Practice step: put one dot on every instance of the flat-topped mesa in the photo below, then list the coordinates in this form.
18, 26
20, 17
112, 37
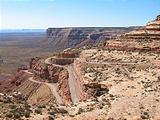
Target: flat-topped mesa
150, 31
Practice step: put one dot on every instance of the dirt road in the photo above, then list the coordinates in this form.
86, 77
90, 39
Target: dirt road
71, 82
52, 87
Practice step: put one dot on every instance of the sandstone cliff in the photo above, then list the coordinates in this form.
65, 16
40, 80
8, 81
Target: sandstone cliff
142, 40
150, 31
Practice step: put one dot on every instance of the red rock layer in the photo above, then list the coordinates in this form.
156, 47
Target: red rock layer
67, 55
133, 49
12, 82
150, 31
63, 86
44, 71
84, 93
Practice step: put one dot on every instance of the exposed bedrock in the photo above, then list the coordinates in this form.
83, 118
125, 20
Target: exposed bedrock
144, 40
13, 81
150, 31
68, 53
63, 86
134, 49
61, 61
84, 93
44, 71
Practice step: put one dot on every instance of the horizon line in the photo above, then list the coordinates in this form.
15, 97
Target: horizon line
70, 27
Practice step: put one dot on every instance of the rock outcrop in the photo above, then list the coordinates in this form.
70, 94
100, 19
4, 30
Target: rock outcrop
43, 71
33, 93
63, 86
144, 40
84, 93
150, 31
62, 61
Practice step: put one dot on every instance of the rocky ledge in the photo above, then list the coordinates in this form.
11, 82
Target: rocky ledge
144, 40
150, 31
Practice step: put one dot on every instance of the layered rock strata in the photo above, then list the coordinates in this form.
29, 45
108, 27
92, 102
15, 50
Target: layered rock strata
59, 39
63, 87
150, 31
145, 40
84, 93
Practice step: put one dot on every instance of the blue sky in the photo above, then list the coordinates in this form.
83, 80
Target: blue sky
19, 14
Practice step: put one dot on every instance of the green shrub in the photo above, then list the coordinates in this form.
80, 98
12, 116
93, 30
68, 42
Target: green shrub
50, 118
110, 95
63, 111
27, 114
144, 117
43, 106
104, 100
51, 113
80, 110
12, 106
17, 116
38, 111
9, 115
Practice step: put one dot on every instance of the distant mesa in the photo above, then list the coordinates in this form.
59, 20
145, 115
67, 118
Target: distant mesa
150, 31
76, 37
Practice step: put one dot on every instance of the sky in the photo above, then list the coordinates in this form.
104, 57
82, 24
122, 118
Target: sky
42, 14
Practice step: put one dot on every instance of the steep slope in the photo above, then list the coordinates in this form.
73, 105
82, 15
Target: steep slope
35, 93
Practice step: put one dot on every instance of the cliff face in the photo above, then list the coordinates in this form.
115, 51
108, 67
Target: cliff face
150, 31
43, 71
61, 38
63, 86
142, 40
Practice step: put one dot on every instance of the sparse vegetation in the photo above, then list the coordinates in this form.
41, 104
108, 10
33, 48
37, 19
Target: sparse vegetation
38, 111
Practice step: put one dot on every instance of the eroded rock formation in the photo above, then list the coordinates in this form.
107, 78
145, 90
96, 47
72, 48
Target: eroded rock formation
150, 31
144, 40
61, 38
63, 86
